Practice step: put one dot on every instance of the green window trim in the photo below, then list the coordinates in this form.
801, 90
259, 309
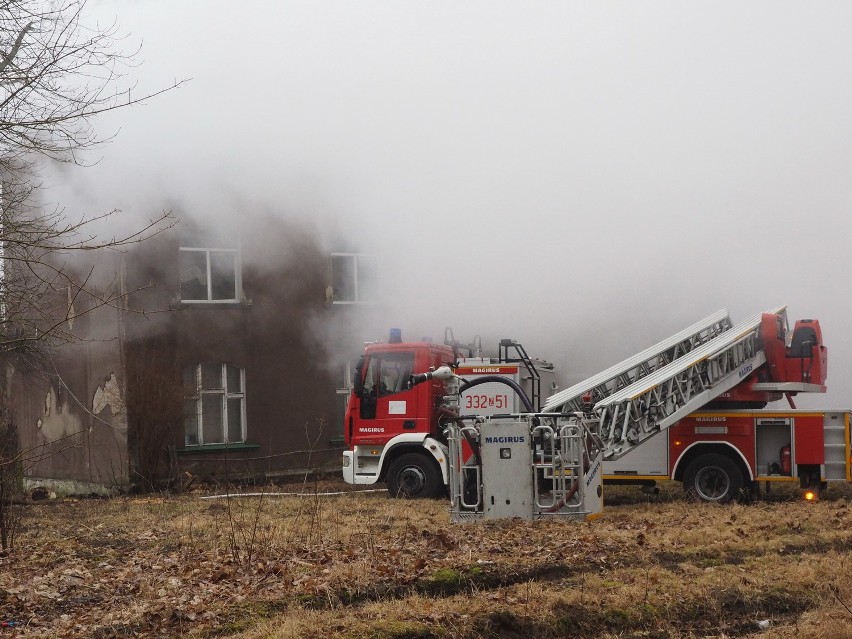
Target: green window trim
214, 448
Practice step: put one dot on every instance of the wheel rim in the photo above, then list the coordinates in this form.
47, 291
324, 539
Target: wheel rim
412, 480
712, 483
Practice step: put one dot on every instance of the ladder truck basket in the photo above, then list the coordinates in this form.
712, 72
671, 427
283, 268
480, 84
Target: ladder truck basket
530, 466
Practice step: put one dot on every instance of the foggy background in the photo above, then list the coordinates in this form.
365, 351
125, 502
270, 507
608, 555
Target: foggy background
585, 178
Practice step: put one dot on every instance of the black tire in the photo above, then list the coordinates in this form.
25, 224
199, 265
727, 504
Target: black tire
713, 478
414, 476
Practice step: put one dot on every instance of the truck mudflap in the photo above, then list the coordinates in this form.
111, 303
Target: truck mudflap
441, 453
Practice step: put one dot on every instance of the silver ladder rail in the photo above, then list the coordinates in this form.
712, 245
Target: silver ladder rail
641, 365
657, 401
462, 473
562, 465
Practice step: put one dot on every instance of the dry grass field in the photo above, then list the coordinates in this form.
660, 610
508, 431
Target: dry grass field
361, 566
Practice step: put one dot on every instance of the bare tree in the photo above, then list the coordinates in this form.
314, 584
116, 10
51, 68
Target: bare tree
43, 287
9, 476
57, 73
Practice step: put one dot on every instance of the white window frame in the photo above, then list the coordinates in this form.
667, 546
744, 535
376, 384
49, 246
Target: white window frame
198, 394
238, 280
356, 284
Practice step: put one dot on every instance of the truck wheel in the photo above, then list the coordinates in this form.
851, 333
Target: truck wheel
713, 478
414, 476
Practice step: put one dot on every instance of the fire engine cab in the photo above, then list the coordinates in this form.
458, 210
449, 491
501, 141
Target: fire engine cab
394, 430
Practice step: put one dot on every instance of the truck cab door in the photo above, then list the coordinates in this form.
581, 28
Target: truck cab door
388, 404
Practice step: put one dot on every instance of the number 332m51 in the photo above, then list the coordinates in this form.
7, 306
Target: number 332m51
486, 401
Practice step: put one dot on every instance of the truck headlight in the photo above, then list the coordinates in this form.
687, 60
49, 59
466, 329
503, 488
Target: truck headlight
345, 461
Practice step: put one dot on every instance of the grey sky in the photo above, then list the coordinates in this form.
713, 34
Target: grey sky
584, 177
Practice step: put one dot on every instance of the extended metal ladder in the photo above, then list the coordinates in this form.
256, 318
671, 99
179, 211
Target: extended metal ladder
671, 392
641, 365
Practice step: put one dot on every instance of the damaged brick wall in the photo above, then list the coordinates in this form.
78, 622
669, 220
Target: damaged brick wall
110, 408
271, 334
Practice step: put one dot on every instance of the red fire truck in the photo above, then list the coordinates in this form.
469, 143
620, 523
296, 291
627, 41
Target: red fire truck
645, 409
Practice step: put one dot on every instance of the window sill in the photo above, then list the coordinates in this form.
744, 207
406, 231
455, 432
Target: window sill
214, 448
181, 304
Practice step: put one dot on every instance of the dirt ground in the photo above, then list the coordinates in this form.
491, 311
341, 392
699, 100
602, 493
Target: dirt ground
297, 562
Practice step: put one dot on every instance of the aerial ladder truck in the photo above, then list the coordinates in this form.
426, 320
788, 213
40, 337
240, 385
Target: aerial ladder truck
732, 444
426, 441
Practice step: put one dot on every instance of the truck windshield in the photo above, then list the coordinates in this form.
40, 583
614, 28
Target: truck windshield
388, 373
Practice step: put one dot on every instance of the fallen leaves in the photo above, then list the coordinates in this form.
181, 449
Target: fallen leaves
133, 567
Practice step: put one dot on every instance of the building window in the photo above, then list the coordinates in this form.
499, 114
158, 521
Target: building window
215, 405
352, 276
209, 275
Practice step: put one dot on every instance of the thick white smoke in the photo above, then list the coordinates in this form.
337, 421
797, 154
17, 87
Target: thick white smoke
585, 178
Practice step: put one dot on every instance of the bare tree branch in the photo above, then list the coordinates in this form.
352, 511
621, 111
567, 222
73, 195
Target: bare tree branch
7, 58
57, 73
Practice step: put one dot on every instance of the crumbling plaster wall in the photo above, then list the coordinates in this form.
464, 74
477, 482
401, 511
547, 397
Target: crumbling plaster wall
69, 409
